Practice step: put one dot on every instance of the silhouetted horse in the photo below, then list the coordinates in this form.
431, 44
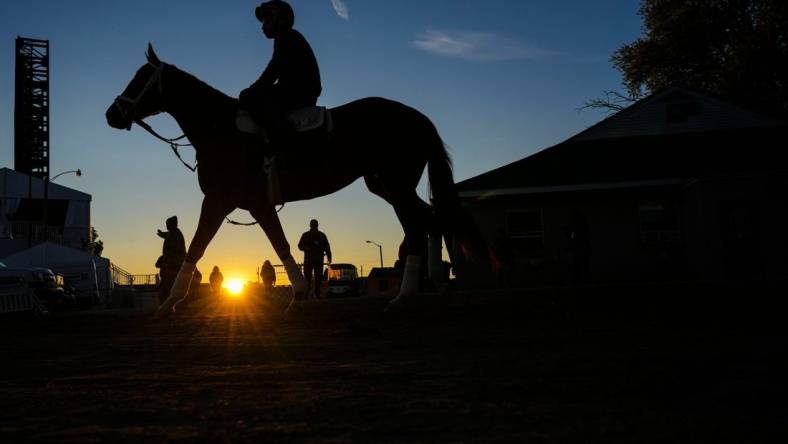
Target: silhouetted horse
386, 142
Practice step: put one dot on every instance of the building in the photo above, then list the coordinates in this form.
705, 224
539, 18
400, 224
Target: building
679, 186
33, 210
383, 282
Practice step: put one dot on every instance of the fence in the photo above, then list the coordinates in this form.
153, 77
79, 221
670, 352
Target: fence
35, 231
18, 298
145, 280
123, 278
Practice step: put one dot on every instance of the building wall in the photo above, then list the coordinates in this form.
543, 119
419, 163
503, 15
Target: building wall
618, 251
729, 228
739, 230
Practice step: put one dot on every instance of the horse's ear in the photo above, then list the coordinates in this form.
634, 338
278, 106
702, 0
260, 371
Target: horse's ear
152, 57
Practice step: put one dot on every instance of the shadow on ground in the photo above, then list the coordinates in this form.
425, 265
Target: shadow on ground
621, 364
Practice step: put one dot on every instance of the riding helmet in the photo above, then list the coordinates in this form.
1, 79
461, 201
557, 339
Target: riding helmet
283, 9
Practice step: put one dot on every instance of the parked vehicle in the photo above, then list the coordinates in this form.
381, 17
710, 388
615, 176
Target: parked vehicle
342, 281
46, 285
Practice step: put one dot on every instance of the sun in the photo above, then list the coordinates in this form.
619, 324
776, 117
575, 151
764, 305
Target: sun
234, 286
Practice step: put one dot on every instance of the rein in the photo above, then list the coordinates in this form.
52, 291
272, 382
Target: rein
155, 79
172, 142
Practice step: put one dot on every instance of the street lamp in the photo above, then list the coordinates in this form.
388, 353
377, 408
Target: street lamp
380, 250
78, 173
47, 179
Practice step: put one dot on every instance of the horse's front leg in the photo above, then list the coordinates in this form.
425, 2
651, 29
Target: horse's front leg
212, 214
266, 216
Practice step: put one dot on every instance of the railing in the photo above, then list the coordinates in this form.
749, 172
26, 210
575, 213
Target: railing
121, 276
35, 231
145, 280
124, 278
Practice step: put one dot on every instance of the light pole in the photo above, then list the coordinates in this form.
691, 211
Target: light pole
380, 250
47, 179
77, 172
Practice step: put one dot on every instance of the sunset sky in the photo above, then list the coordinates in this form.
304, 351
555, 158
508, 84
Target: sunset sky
501, 79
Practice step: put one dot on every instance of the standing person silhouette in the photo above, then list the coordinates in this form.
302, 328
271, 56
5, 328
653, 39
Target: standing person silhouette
314, 244
173, 252
216, 279
268, 274
292, 78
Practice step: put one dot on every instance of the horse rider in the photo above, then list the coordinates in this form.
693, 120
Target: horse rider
292, 78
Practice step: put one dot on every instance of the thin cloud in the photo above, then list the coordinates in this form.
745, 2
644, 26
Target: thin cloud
477, 46
341, 8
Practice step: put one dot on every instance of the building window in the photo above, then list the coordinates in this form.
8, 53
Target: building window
526, 227
659, 223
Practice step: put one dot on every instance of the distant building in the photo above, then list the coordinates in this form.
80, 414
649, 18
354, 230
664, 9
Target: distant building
27, 218
679, 186
383, 282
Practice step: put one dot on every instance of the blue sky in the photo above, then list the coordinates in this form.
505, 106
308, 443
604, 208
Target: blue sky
501, 79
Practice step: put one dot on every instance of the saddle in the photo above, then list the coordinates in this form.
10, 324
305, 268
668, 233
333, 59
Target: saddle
301, 121
313, 120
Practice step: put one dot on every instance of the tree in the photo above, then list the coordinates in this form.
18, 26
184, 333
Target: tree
737, 49
95, 246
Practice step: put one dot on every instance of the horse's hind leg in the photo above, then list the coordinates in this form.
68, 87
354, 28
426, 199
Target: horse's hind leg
415, 210
416, 219
212, 214
266, 216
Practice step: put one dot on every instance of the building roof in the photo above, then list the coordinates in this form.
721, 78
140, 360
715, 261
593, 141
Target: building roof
48, 254
693, 135
383, 273
676, 110
15, 184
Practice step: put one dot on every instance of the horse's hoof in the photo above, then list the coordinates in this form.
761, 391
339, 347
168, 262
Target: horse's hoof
161, 315
395, 305
294, 306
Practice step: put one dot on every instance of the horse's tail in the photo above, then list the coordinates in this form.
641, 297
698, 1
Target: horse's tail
465, 244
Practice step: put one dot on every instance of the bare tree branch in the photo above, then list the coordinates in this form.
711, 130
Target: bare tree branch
612, 102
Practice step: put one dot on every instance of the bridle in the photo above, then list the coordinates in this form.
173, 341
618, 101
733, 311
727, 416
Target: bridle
130, 112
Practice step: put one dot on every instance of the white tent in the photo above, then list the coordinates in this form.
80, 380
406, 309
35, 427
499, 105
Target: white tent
88, 274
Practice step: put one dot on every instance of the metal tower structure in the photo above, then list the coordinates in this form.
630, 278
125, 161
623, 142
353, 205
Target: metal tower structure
31, 107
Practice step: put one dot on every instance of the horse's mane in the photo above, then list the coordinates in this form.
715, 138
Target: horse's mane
193, 91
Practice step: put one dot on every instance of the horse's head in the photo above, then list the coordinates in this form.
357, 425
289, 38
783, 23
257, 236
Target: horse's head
142, 96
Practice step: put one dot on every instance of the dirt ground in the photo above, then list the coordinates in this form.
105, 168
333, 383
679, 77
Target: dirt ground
617, 364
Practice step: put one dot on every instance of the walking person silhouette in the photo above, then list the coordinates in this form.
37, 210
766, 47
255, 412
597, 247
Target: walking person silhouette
315, 245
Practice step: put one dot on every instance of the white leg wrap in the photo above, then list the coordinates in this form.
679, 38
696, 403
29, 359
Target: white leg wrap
410, 282
294, 274
435, 258
411, 276
180, 288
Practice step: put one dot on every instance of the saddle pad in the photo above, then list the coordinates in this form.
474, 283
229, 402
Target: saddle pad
307, 119
246, 124
301, 120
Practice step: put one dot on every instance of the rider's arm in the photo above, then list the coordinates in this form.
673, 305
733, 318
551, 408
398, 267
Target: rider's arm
273, 71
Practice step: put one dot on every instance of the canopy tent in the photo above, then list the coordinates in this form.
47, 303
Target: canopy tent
88, 274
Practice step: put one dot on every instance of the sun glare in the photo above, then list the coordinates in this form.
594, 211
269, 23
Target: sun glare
234, 286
